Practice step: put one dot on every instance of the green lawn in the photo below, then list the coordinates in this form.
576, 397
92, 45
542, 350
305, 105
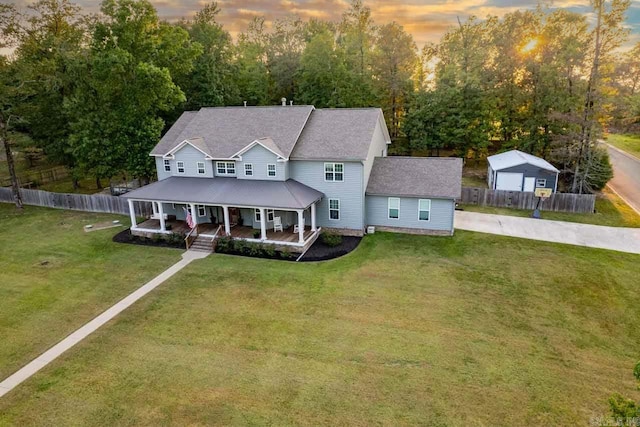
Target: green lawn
629, 143
469, 330
54, 277
611, 210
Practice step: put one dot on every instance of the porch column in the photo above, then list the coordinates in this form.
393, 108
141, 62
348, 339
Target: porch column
163, 226
313, 216
194, 217
263, 224
132, 214
300, 226
154, 206
227, 226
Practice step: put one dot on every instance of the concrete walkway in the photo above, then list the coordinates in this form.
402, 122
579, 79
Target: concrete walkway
593, 236
48, 356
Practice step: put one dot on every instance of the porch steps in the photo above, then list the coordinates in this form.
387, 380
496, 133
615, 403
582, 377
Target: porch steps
202, 244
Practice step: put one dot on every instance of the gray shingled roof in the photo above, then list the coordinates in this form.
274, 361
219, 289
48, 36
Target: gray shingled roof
337, 134
288, 194
227, 130
437, 177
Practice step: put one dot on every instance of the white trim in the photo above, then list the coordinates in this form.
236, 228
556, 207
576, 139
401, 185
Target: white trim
423, 210
330, 209
251, 145
171, 153
543, 185
204, 209
178, 167
204, 168
275, 170
226, 168
389, 207
248, 170
333, 171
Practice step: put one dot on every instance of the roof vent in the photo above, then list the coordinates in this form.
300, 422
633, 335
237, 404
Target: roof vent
290, 102
245, 103
284, 102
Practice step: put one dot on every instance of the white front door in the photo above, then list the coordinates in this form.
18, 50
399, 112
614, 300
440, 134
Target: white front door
509, 181
529, 184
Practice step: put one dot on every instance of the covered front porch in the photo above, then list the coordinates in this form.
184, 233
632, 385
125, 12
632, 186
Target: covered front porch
272, 212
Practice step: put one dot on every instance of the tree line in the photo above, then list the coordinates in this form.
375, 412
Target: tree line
95, 92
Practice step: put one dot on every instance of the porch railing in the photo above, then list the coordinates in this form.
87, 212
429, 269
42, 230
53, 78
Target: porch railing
190, 237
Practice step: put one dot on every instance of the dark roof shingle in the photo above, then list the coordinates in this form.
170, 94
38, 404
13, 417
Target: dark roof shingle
437, 177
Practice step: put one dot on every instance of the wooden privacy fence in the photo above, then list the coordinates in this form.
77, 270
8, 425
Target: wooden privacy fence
77, 202
558, 202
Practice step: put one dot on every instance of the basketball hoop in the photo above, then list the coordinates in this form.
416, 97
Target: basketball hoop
542, 194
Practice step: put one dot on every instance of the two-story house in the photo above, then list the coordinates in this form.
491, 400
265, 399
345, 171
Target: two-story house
280, 174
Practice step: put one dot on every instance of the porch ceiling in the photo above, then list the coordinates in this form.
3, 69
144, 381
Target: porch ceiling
288, 194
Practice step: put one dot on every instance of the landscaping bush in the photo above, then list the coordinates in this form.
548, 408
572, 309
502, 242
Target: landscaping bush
256, 234
330, 238
175, 238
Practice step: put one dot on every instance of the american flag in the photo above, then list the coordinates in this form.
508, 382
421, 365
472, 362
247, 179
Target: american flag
190, 222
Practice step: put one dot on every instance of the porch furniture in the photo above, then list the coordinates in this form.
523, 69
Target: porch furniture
277, 224
296, 228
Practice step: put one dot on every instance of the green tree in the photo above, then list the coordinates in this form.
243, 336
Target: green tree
125, 84
284, 47
211, 82
322, 72
252, 77
394, 61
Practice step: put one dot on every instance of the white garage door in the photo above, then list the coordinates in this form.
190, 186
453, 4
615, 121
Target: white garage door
509, 181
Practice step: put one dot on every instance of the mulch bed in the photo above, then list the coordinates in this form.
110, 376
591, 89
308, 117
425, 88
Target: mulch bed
125, 236
319, 251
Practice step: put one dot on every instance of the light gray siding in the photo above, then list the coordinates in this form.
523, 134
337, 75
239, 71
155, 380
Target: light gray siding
260, 157
162, 174
530, 171
350, 192
378, 148
190, 156
440, 217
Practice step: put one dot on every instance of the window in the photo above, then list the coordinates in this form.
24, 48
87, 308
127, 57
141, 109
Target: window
424, 209
167, 165
180, 167
334, 172
394, 207
201, 211
334, 209
200, 168
541, 183
269, 215
248, 169
226, 168
271, 170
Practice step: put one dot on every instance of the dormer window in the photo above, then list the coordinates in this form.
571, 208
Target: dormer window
201, 168
271, 170
167, 165
248, 169
180, 167
226, 168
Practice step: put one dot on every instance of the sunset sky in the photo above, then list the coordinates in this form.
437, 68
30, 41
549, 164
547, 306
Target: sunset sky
426, 20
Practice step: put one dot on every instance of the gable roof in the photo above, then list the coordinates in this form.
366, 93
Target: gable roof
437, 177
264, 142
197, 143
289, 194
512, 158
338, 134
227, 130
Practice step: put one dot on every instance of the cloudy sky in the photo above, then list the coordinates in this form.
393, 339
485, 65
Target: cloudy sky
427, 20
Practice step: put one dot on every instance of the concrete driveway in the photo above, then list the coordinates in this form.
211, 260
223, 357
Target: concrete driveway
626, 176
593, 236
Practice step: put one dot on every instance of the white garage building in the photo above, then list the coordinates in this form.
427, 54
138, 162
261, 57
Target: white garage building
517, 171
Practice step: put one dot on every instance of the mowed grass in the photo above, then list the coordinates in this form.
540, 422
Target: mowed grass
611, 211
468, 330
629, 142
54, 277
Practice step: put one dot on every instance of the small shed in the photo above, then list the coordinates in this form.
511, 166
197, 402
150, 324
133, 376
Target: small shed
517, 171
